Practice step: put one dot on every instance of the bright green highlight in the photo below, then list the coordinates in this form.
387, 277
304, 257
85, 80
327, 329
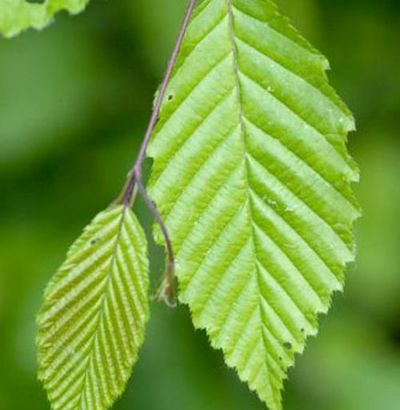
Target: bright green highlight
19, 15
93, 319
253, 179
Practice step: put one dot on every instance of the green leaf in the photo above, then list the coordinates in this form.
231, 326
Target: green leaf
19, 15
252, 177
93, 318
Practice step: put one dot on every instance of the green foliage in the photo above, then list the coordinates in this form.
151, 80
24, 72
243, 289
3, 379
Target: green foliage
19, 15
252, 177
92, 322
72, 128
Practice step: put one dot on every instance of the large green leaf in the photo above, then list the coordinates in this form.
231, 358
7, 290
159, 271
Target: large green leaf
19, 15
252, 177
92, 321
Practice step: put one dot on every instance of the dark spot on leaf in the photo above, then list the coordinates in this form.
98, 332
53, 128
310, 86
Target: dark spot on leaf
302, 330
170, 97
287, 345
35, 1
280, 358
94, 241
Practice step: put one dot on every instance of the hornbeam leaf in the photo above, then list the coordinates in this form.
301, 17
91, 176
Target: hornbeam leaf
19, 15
92, 322
252, 177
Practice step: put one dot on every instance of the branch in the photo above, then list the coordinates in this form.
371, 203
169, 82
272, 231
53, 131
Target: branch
134, 183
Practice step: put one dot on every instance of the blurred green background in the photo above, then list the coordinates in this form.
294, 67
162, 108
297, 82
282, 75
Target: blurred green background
74, 101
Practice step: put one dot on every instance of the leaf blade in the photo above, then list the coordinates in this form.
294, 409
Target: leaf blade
19, 15
252, 177
92, 321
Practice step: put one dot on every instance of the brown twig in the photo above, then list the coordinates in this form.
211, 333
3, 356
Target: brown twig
135, 184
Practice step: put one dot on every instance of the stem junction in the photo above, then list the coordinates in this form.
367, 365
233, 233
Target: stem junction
134, 184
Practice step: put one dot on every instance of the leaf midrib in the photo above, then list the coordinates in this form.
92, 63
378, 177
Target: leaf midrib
102, 305
235, 61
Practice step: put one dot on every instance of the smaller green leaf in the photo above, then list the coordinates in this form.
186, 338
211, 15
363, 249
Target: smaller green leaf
92, 322
19, 15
